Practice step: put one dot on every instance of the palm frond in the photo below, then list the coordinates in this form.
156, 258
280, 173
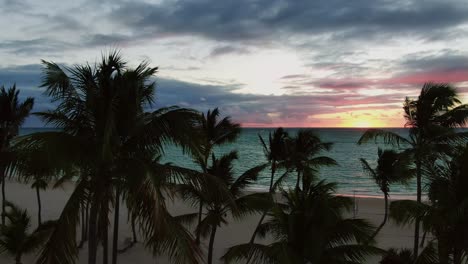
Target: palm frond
387, 137
406, 211
247, 178
274, 253
353, 253
61, 244
250, 204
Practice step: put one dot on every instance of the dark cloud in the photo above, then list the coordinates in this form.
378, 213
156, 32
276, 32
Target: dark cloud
264, 19
105, 39
448, 61
34, 46
228, 49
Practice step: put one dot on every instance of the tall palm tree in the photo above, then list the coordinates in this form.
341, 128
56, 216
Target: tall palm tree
238, 204
275, 154
94, 137
392, 167
275, 151
430, 119
446, 214
304, 155
12, 115
213, 132
15, 238
310, 228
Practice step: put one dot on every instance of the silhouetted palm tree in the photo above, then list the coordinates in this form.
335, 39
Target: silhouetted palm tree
238, 204
304, 155
33, 166
446, 214
12, 115
275, 153
212, 132
310, 228
15, 238
392, 167
97, 118
430, 119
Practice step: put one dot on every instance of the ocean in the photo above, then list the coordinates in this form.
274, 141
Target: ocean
348, 174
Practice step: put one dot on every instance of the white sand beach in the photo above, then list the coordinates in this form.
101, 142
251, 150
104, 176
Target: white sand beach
234, 233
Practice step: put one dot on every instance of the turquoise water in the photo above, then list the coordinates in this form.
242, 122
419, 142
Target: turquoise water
345, 151
348, 175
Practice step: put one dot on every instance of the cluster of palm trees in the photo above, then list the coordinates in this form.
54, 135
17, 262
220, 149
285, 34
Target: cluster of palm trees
110, 144
435, 153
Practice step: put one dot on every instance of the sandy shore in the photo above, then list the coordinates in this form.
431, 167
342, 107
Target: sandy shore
235, 233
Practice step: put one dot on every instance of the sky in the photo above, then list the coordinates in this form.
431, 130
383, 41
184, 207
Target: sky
266, 63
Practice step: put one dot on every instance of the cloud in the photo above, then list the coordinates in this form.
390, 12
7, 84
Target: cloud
447, 61
228, 49
246, 20
34, 46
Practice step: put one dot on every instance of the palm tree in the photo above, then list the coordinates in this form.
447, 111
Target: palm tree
275, 154
97, 109
310, 228
430, 119
392, 167
31, 165
212, 132
12, 115
15, 238
304, 156
39, 184
275, 151
446, 214
218, 207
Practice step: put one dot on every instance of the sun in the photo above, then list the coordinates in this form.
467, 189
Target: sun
362, 123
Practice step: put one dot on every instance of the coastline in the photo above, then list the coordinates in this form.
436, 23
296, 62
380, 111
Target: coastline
370, 208
394, 197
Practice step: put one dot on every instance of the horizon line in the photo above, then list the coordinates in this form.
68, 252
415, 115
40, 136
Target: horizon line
261, 127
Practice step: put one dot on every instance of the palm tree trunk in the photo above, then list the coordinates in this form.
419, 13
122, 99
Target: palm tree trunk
200, 212
105, 230
39, 207
115, 237
134, 230
262, 218
200, 208
86, 221
93, 236
386, 210
418, 198
3, 195
210, 245
298, 181
105, 245
272, 176
384, 221
83, 230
